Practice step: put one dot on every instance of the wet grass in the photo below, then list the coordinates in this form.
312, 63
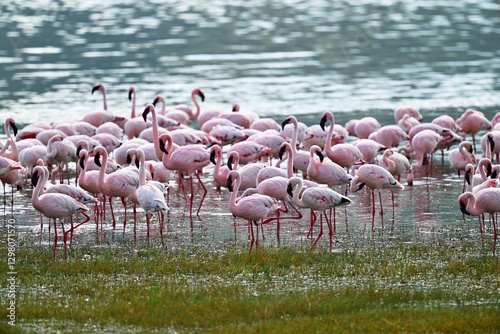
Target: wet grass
429, 285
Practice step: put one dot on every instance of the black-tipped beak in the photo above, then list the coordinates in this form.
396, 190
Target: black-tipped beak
321, 156
136, 162
494, 174
281, 152
14, 128
34, 178
97, 159
201, 95
129, 159
229, 184
156, 100
212, 157
130, 92
463, 208
78, 149
361, 185
285, 122
492, 143
96, 88
230, 163
322, 122
289, 190
145, 114
467, 177
162, 147
80, 161
489, 169
345, 200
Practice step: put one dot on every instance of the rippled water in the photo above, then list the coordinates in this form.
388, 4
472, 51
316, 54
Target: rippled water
276, 58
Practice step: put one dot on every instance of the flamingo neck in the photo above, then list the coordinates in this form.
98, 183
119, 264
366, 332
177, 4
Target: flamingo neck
234, 194
51, 150
391, 165
217, 163
328, 140
195, 115
294, 135
142, 170
102, 170
82, 170
296, 193
132, 115
38, 189
156, 135
471, 201
103, 90
289, 162
166, 156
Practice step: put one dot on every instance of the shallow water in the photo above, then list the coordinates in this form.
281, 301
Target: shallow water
280, 58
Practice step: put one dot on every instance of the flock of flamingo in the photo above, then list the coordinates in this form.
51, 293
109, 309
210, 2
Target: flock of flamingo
161, 145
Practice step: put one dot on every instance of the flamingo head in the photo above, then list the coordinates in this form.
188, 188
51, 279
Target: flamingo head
146, 111
13, 126
230, 163
198, 92
236, 107
285, 122
98, 87
463, 207
281, 152
322, 122
81, 162
34, 178
212, 157
229, 183
491, 141
156, 100
131, 91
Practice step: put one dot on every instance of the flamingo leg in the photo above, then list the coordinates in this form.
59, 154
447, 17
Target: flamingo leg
55, 239
328, 223
381, 208
147, 227
495, 234
41, 226
74, 227
320, 231
205, 191
112, 213
253, 239
192, 198
161, 217
125, 219
64, 239
481, 229
373, 210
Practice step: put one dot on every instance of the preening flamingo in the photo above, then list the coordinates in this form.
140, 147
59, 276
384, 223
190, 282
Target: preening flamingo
375, 178
253, 208
461, 156
186, 159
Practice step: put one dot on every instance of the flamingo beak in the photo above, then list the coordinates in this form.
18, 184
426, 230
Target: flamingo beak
467, 177
156, 100
285, 122
80, 161
98, 87
322, 122
14, 128
321, 156
281, 152
97, 159
34, 178
463, 208
162, 147
229, 184
212, 157
230, 163
137, 163
130, 92
129, 159
201, 95
289, 190
145, 113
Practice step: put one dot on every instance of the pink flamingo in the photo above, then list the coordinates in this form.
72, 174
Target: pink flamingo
220, 172
11, 172
345, 155
226, 134
99, 117
484, 201
471, 122
110, 128
248, 151
424, 143
375, 178
269, 139
12, 154
300, 158
150, 194
407, 122
264, 124
324, 171
409, 110
60, 152
391, 135
29, 156
369, 148
448, 122
54, 206
365, 126
253, 208
319, 198
396, 163
461, 156
121, 183
186, 159
490, 144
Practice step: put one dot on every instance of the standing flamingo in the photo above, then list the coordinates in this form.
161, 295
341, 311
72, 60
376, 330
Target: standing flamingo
121, 183
54, 206
473, 121
319, 198
345, 155
300, 158
186, 159
376, 178
253, 208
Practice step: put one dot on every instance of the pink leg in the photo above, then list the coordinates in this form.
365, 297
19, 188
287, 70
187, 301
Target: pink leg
161, 217
204, 193
320, 231
64, 239
373, 210
55, 239
147, 227
192, 198
495, 234
125, 219
381, 208
481, 229
253, 239
330, 230
41, 226
83, 222
112, 213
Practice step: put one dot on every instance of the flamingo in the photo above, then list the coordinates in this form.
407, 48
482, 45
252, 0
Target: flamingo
149, 195
365, 126
409, 110
253, 208
111, 129
135, 125
369, 148
471, 122
11, 172
390, 135
375, 178
396, 163
99, 117
121, 183
461, 156
324, 171
54, 206
345, 155
187, 159
248, 151
407, 122
220, 172
264, 124
60, 152
319, 198
484, 201
12, 154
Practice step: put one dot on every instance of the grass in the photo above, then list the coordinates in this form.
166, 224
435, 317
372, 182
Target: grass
429, 285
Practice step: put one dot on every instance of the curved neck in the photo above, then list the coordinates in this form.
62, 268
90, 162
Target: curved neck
218, 162
82, 170
4, 149
471, 208
296, 193
391, 166
164, 104
39, 186
328, 140
102, 170
6, 127
481, 166
166, 156
51, 150
195, 115
234, 194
